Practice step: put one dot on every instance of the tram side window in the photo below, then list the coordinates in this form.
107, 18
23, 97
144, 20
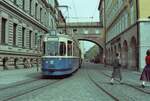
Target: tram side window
62, 49
69, 48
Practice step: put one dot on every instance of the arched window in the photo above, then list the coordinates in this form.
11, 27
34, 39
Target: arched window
36, 7
30, 7
40, 14
3, 30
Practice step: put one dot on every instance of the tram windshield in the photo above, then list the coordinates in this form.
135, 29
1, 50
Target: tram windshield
51, 48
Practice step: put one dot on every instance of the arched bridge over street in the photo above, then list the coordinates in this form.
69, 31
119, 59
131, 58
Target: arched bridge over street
86, 31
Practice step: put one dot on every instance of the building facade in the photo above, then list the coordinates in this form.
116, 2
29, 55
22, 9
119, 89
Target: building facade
23, 24
127, 28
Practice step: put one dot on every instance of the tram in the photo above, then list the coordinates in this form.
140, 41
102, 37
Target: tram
62, 55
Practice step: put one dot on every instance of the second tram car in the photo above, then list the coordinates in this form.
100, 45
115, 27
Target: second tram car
62, 55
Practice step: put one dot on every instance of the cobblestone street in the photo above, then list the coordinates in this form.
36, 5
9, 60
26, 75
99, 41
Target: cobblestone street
64, 50
77, 87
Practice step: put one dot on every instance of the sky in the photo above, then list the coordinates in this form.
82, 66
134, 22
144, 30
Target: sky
87, 45
80, 10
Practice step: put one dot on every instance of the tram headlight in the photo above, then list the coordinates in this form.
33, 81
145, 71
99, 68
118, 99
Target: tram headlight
46, 62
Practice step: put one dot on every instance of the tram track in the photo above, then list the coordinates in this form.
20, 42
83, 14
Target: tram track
7, 95
129, 85
105, 91
101, 88
19, 83
117, 92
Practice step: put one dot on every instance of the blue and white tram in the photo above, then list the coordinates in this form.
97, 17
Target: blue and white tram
61, 55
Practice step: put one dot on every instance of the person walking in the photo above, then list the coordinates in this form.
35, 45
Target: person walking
116, 69
145, 76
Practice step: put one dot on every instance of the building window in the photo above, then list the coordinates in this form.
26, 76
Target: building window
3, 29
23, 4
74, 30
23, 33
15, 2
30, 39
14, 34
36, 39
30, 7
86, 31
36, 7
97, 32
40, 14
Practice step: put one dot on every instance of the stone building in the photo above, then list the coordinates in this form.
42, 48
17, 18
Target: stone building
127, 28
22, 26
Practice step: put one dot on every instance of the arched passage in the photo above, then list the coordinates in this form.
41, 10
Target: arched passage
101, 52
101, 45
115, 50
5, 62
133, 45
109, 56
125, 54
16, 61
112, 52
120, 52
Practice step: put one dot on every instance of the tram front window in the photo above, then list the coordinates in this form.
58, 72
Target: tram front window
51, 48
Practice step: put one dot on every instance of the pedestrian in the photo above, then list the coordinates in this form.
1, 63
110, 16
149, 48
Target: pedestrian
145, 76
116, 69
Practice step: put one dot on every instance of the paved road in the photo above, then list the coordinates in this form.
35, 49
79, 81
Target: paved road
79, 86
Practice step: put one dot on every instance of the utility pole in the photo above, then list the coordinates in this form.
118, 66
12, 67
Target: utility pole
64, 6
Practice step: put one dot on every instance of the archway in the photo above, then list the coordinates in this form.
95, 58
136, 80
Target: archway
5, 63
120, 52
112, 52
16, 63
25, 63
133, 46
109, 56
125, 54
100, 56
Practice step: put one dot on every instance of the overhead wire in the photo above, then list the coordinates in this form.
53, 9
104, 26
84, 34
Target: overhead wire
94, 11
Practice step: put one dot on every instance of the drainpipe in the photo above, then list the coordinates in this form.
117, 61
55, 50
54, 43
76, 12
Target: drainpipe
138, 34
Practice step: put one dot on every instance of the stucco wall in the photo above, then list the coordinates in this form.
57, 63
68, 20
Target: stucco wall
144, 42
144, 8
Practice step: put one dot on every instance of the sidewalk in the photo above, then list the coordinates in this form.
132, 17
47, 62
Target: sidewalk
130, 78
16, 75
